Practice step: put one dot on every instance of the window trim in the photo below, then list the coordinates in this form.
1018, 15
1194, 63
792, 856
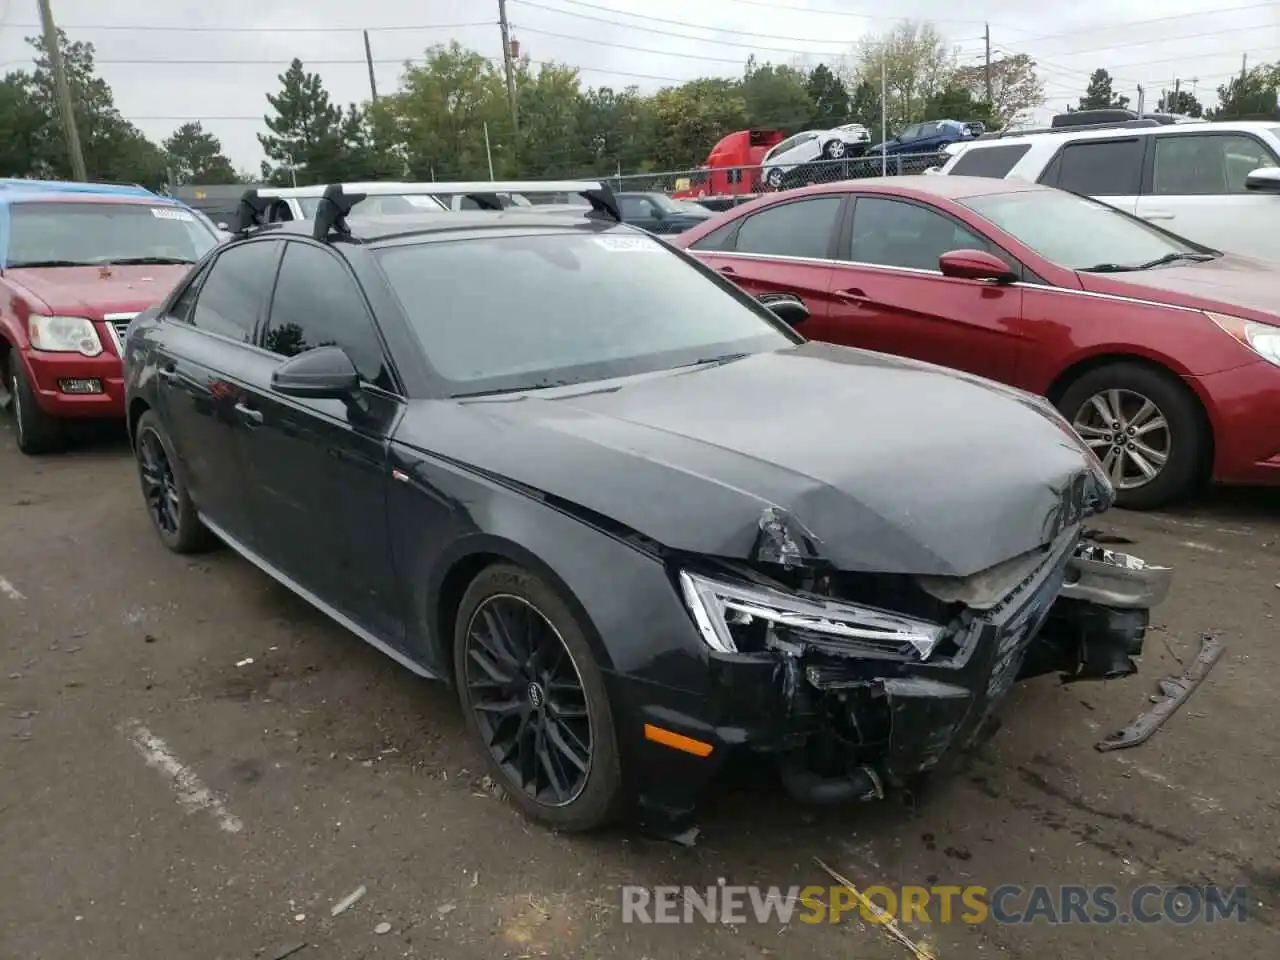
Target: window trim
846, 239
397, 380
1146, 187
1055, 162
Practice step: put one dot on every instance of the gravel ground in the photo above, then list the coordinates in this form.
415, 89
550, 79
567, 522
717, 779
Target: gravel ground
195, 764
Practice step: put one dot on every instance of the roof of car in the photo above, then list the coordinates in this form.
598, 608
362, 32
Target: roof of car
372, 229
61, 196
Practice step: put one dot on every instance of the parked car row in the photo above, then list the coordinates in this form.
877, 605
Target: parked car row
636, 520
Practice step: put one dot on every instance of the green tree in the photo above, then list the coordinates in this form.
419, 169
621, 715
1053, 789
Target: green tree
23, 124
1251, 97
1016, 88
829, 98
775, 97
957, 103
437, 119
917, 64
689, 119
1181, 101
1098, 95
551, 141
195, 156
311, 139
616, 129
864, 108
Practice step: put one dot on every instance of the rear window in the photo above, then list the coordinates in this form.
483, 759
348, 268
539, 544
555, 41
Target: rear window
69, 234
1099, 168
993, 162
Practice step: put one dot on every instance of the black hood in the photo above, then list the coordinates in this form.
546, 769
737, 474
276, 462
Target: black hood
890, 465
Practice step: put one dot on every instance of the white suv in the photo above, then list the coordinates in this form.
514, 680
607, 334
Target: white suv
1215, 183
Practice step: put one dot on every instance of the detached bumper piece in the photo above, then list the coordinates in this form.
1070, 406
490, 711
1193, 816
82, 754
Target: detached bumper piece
1100, 620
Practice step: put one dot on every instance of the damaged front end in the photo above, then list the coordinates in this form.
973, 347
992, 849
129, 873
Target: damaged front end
867, 681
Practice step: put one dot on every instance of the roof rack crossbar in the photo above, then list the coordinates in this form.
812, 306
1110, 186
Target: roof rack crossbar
1082, 128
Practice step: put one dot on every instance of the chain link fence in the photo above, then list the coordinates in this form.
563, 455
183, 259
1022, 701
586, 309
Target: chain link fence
722, 187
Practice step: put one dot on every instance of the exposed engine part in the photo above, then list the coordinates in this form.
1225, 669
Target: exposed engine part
1174, 692
1084, 641
1115, 579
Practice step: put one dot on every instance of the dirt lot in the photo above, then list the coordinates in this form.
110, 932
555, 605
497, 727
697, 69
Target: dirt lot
194, 764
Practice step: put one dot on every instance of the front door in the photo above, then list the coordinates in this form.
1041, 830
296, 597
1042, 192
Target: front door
889, 294
201, 381
318, 471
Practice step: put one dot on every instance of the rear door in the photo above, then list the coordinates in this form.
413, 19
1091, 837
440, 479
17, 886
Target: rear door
1109, 169
317, 470
787, 247
889, 295
202, 361
1193, 185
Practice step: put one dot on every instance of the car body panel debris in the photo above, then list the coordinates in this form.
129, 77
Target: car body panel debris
1174, 692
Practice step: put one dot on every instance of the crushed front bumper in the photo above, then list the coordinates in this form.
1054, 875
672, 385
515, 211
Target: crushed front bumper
844, 727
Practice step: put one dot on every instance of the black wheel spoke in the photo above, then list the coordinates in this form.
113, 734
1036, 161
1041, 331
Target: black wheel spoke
159, 484
528, 700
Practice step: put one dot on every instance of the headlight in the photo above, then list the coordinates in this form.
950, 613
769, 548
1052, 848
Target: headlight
738, 616
64, 335
1262, 338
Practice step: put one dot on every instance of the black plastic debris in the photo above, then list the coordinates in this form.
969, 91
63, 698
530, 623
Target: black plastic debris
1174, 692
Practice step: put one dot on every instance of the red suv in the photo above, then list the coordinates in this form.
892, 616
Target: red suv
1163, 354
75, 268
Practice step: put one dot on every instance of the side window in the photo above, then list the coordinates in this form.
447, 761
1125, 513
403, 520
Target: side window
636, 208
891, 233
1102, 168
910, 133
235, 291
928, 130
279, 212
317, 304
801, 228
994, 162
717, 239
187, 298
1188, 165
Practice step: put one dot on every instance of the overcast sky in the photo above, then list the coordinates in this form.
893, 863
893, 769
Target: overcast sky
613, 42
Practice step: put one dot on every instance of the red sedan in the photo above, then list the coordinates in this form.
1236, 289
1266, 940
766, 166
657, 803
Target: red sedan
1163, 354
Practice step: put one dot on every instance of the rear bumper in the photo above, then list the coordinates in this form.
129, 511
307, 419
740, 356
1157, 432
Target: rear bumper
50, 374
846, 728
1245, 409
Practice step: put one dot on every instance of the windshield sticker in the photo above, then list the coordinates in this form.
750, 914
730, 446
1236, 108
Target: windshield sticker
629, 244
171, 213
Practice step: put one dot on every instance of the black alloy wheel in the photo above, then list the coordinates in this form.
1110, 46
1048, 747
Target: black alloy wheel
536, 700
164, 490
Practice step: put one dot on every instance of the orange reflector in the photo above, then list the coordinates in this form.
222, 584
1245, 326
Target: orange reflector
677, 741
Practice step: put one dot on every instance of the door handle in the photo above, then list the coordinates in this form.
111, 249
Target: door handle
251, 416
1158, 215
727, 270
167, 374
852, 295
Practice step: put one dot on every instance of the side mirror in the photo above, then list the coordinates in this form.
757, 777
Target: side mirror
790, 310
975, 265
325, 373
1264, 178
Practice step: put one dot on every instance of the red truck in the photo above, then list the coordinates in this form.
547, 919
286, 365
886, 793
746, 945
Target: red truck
722, 178
75, 268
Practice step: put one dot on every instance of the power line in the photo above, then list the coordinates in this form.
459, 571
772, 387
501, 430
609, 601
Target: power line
1215, 12
839, 13
1151, 42
133, 28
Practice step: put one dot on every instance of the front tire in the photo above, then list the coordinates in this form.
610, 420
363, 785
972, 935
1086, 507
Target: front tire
37, 431
164, 488
535, 698
834, 150
1147, 429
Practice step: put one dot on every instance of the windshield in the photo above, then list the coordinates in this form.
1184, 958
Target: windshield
1076, 232
389, 205
76, 234
571, 308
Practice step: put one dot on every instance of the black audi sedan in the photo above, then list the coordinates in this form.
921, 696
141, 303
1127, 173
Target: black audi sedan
633, 517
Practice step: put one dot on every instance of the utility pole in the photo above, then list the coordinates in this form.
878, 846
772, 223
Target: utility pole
368, 59
986, 36
63, 91
1244, 67
508, 66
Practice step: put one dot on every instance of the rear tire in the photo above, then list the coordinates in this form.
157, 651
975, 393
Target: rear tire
489, 681
1187, 437
37, 431
164, 488
834, 150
